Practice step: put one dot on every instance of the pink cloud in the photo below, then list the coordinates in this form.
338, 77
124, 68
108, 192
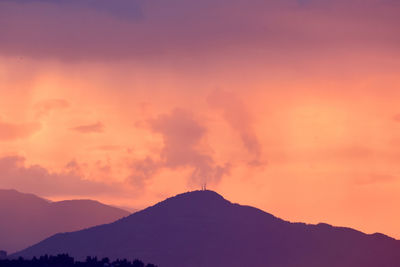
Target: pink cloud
142, 170
15, 174
90, 128
235, 113
182, 135
12, 131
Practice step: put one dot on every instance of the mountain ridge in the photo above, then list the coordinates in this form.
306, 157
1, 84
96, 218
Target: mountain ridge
201, 228
28, 219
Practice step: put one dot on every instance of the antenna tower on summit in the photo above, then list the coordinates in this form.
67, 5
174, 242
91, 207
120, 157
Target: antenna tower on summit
204, 187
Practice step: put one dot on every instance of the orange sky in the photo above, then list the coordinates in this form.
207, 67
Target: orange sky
289, 107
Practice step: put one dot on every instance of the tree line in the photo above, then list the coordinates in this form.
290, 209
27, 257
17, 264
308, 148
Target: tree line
64, 260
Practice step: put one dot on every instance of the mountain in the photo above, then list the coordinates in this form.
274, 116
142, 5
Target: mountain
201, 228
27, 219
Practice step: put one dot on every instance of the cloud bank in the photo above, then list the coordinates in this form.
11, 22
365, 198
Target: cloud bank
15, 174
138, 30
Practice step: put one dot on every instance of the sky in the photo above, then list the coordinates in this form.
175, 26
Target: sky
289, 106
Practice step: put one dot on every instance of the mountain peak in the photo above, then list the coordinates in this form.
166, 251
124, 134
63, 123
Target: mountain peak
200, 200
201, 195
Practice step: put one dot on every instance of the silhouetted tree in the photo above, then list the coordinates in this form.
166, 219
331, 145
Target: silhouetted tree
64, 260
137, 263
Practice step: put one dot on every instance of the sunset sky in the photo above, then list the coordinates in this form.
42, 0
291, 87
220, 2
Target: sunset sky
289, 106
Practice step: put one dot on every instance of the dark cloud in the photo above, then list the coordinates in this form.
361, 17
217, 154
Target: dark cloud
125, 9
182, 136
97, 127
67, 31
139, 29
235, 113
16, 175
11, 131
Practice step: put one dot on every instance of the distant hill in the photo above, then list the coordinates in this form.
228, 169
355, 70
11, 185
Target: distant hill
201, 228
26, 219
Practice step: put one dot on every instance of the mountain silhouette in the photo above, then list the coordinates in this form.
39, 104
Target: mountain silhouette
201, 228
27, 219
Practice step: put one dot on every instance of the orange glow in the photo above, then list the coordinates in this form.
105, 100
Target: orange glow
305, 125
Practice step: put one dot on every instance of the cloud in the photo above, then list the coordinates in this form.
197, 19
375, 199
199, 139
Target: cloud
68, 30
182, 137
397, 117
44, 107
125, 9
97, 127
235, 113
13, 131
36, 179
142, 170
137, 29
